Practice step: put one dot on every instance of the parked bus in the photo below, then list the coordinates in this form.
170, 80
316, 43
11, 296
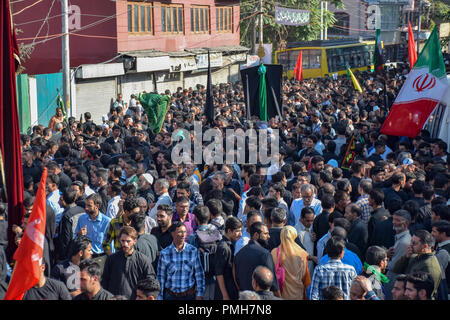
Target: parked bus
326, 57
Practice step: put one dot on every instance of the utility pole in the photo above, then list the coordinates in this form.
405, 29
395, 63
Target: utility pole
326, 29
66, 56
418, 28
321, 20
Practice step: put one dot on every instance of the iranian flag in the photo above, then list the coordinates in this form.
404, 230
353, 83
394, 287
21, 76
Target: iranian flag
422, 91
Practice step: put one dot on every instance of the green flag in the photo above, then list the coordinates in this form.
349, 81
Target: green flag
378, 54
262, 93
60, 104
155, 107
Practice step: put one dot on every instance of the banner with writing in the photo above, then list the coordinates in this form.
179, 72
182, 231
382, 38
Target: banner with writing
291, 17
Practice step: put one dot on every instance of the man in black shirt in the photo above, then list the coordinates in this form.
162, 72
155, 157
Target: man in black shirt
278, 217
68, 222
125, 268
225, 287
320, 225
47, 289
99, 180
90, 273
30, 168
146, 243
357, 169
164, 220
67, 270
379, 213
253, 255
64, 179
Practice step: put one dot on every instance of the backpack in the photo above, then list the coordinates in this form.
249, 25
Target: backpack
207, 246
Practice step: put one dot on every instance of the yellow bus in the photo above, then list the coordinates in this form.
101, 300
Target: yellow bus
326, 57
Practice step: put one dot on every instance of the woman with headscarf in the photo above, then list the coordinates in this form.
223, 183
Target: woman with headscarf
294, 260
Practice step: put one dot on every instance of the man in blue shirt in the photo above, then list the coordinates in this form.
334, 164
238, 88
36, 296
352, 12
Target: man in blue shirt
349, 257
93, 224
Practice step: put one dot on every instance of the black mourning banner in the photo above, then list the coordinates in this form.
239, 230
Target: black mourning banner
250, 76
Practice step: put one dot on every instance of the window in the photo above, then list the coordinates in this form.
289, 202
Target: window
355, 57
224, 19
172, 19
389, 16
200, 19
311, 59
341, 27
140, 17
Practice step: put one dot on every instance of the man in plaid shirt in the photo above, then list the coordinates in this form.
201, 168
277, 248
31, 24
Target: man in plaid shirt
364, 188
334, 272
130, 206
180, 272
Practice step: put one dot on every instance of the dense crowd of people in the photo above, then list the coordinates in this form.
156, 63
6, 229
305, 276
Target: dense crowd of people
124, 221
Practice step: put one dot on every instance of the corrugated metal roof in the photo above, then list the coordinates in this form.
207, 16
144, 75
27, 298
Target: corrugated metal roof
186, 52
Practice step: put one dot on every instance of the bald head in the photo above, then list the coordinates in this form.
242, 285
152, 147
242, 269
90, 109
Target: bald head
262, 279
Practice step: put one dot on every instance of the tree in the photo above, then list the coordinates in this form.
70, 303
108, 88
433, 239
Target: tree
278, 34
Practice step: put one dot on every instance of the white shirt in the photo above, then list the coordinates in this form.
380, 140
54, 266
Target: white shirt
305, 237
112, 208
88, 191
274, 168
163, 199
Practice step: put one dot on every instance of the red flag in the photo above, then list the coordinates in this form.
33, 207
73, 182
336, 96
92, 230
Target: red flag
31, 249
412, 52
298, 71
9, 123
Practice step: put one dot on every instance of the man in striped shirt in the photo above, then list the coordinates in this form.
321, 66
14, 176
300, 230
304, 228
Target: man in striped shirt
180, 272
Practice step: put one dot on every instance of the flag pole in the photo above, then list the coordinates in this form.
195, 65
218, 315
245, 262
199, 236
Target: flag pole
248, 97
276, 102
2, 165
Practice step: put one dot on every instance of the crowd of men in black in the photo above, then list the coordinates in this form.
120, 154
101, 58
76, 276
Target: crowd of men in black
121, 175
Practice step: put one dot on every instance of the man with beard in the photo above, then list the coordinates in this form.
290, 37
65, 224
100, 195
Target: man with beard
401, 220
164, 220
419, 286
130, 207
125, 268
420, 257
254, 254
93, 224
225, 288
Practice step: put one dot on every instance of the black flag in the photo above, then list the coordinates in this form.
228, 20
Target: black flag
209, 107
273, 87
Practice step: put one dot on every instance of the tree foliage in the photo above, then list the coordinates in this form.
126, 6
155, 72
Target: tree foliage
278, 34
